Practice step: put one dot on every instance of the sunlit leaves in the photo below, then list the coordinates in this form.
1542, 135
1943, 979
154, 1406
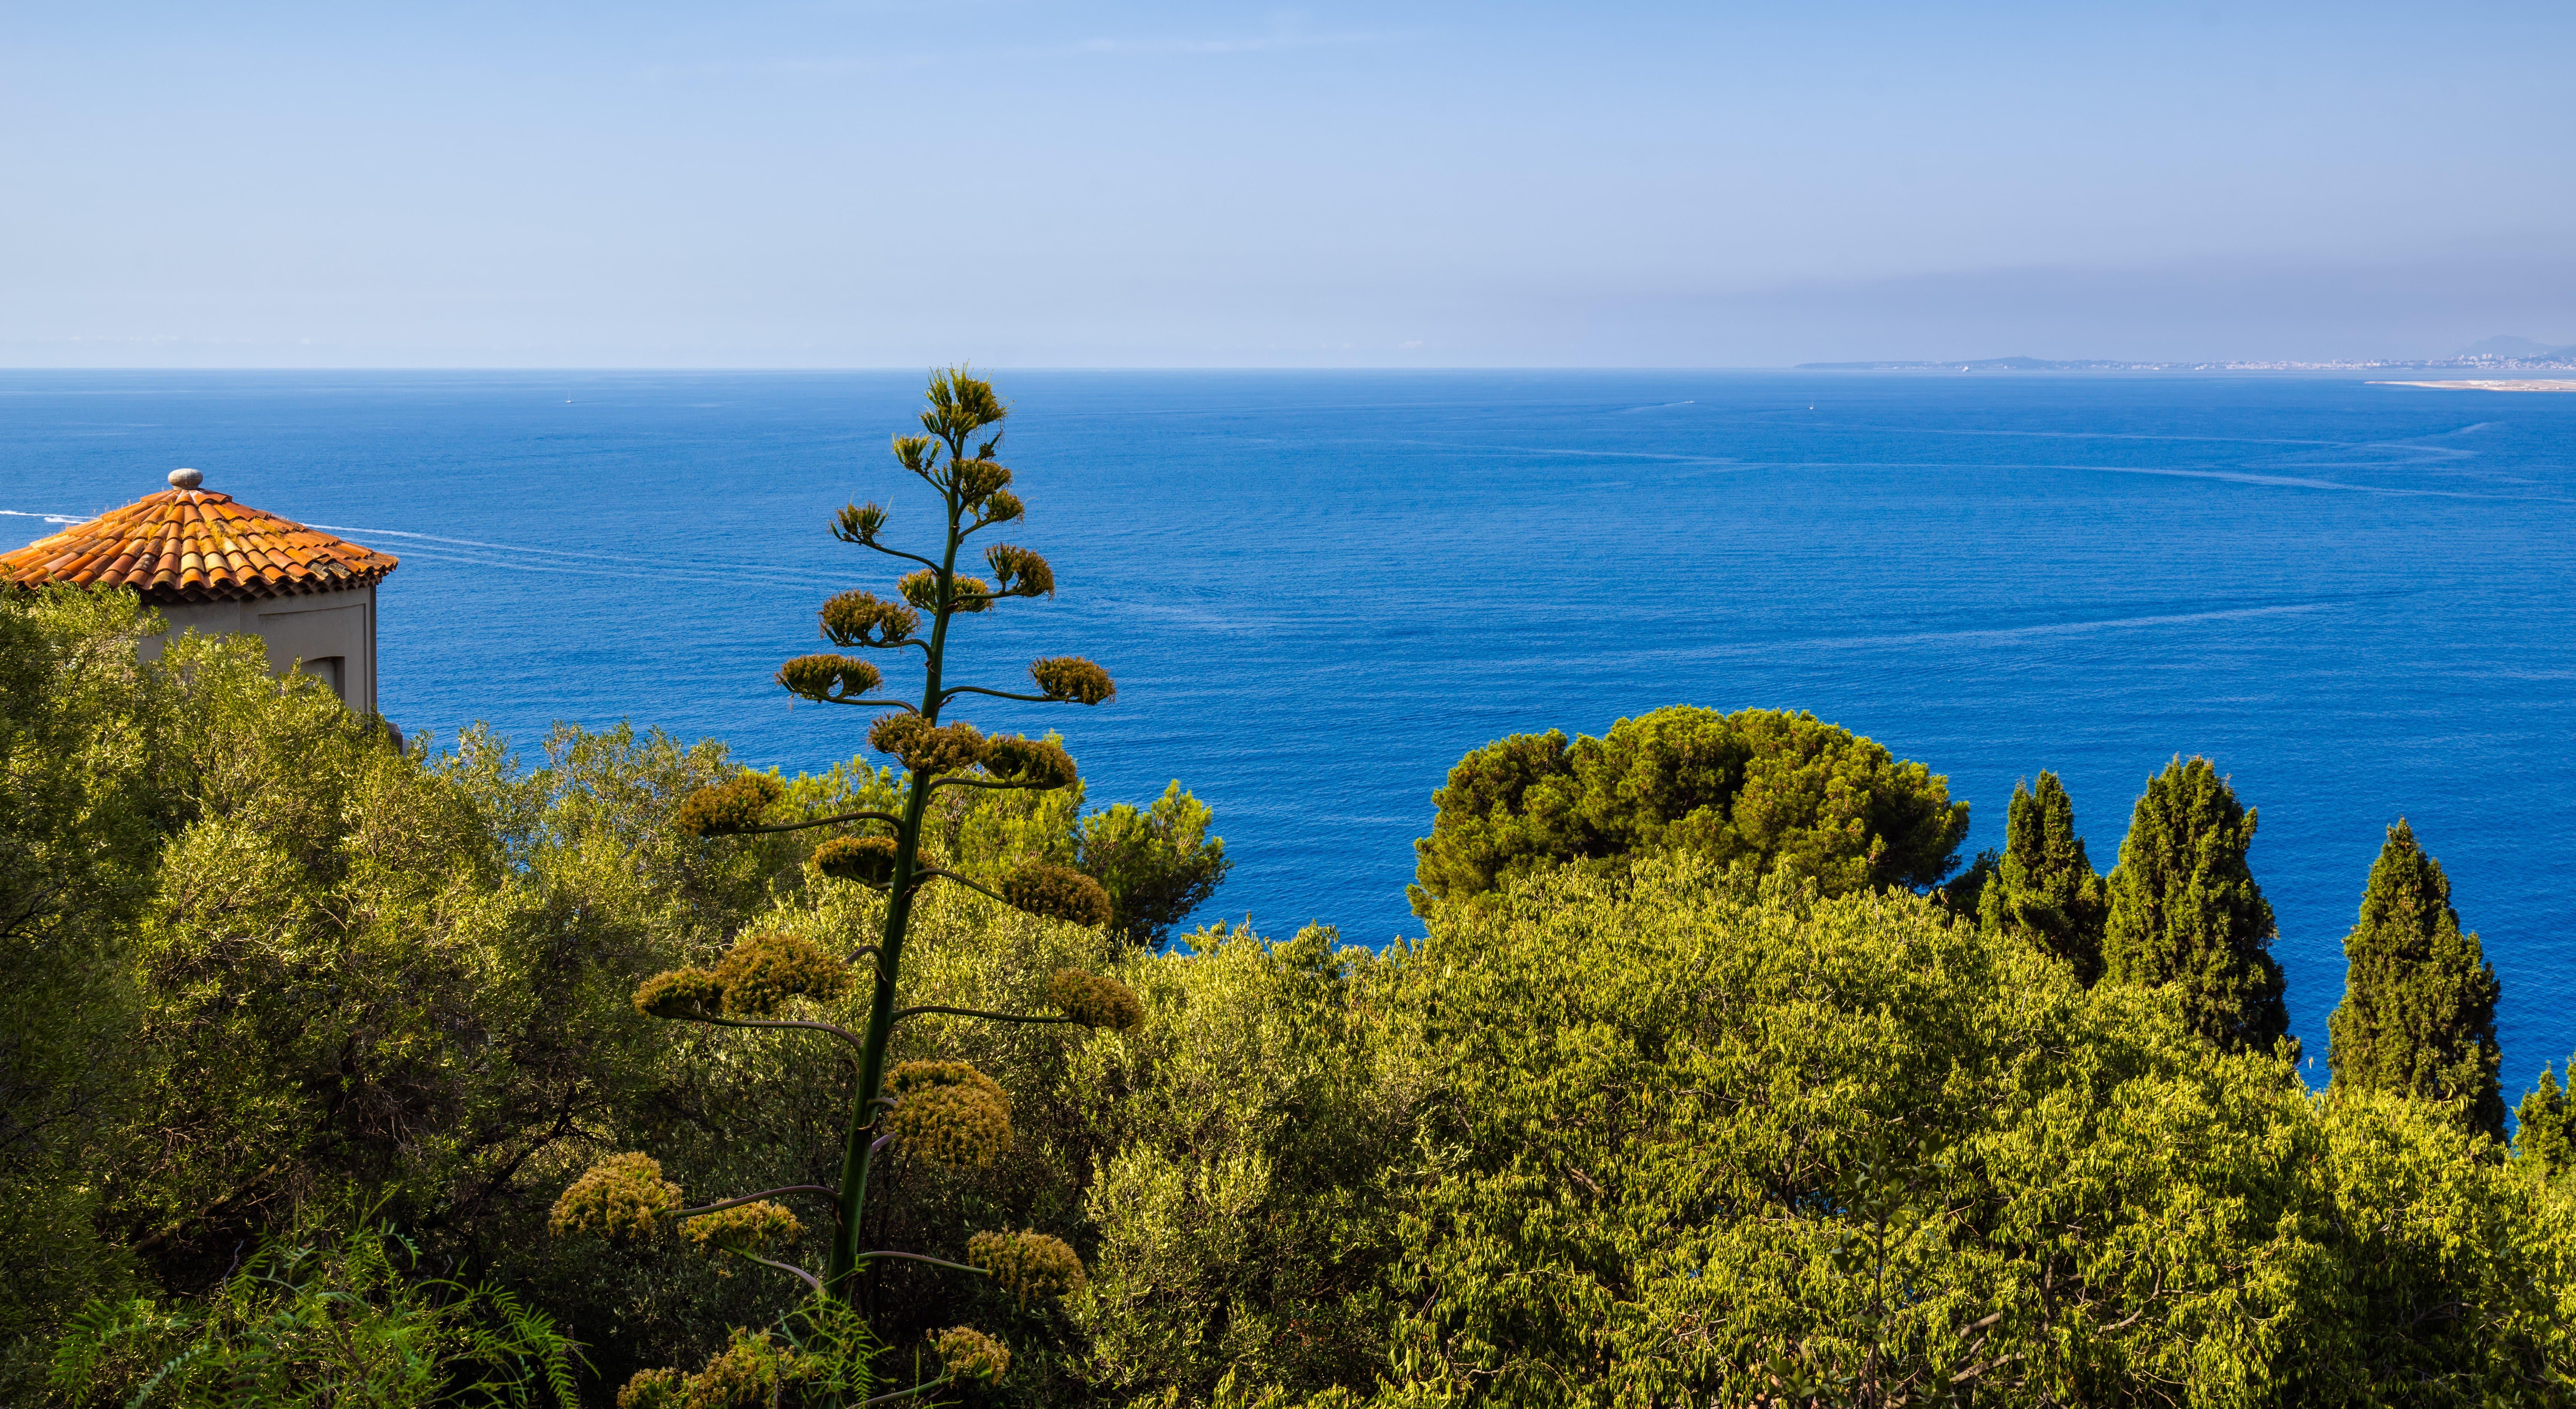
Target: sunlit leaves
1783, 790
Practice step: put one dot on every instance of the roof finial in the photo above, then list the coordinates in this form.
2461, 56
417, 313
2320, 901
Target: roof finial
186, 479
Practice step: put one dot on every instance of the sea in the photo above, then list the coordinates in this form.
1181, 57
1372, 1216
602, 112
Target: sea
1318, 589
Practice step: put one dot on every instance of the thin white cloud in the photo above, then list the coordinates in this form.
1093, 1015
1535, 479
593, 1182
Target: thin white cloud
1104, 45
825, 68
1255, 44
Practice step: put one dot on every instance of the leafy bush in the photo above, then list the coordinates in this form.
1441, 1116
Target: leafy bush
81, 821
1248, 1203
1694, 1135
333, 1322
1692, 1141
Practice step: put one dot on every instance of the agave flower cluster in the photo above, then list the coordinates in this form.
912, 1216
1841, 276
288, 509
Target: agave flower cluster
949, 1113
756, 978
623, 1197
1027, 1264
761, 973
1060, 892
945, 1117
867, 860
969, 1354
1095, 1001
753, 1227
734, 805
752, 1372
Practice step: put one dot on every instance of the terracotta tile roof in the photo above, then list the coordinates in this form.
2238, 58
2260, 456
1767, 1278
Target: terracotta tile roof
195, 545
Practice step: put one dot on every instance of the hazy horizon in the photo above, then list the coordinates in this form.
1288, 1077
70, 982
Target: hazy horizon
842, 185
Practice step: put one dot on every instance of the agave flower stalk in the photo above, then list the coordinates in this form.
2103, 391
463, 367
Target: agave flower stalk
948, 1112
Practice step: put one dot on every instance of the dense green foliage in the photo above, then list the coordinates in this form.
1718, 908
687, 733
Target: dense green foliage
1157, 863
81, 816
1670, 1130
2419, 997
2186, 914
327, 967
1785, 790
1693, 1143
2545, 1125
2044, 889
340, 1322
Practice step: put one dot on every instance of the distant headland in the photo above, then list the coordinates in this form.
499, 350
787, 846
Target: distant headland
2527, 384
2499, 354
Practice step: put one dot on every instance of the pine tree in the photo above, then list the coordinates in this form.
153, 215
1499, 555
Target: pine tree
2186, 913
2044, 888
2545, 1123
2419, 998
1784, 791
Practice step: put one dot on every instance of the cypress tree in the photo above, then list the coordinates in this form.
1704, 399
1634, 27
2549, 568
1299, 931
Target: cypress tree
2419, 998
2044, 888
2186, 913
2545, 1123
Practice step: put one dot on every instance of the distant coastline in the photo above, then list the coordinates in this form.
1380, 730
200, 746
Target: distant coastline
2533, 384
2561, 360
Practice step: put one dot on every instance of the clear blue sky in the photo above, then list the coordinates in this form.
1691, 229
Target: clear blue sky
892, 184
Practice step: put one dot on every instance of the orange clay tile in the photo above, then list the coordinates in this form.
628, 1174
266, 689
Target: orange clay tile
195, 545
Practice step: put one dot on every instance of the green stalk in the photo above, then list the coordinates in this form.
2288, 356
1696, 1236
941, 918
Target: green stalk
859, 1150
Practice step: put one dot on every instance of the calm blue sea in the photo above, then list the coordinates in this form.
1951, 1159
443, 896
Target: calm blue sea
1318, 589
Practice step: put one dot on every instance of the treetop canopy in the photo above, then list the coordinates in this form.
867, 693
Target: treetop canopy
1784, 790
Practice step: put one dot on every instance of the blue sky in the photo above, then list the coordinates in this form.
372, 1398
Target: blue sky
865, 184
